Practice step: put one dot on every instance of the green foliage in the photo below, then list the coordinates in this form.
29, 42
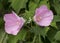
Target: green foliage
18, 4
40, 30
21, 36
56, 18
2, 35
57, 36
31, 32
44, 2
32, 6
28, 15
56, 5
51, 33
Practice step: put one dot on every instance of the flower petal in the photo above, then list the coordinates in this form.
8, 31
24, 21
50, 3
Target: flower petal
10, 17
13, 23
43, 16
46, 21
12, 29
41, 9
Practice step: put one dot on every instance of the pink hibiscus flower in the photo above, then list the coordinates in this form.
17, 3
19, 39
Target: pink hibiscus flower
43, 16
13, 23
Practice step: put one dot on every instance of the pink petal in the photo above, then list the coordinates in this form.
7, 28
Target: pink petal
12, 29
13, 23
11, 17
41, 9
46, 14
46, 21
43, 17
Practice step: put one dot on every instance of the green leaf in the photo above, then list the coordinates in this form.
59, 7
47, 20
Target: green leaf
56, 18
54, 24
2, 35
43, 31
44, 2
18, 4
5, 39
28, 15
56, 5
57, 36
38, 30
37, 1
51, 33
32, 6
21, 36
39, 39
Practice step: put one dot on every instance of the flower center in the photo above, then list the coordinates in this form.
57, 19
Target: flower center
17, 23
38, 18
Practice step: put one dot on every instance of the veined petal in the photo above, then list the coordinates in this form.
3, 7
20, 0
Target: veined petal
43, 16
13, 23
41, 9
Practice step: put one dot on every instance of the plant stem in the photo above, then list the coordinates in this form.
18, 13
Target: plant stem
39, 39
34, 39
